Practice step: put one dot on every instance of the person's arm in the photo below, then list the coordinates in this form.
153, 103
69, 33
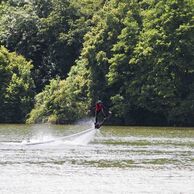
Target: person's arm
105, 110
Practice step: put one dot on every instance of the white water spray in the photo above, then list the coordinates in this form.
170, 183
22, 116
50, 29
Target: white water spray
83, 139
44, 136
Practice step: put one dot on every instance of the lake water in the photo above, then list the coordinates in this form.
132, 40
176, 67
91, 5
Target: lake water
120, 160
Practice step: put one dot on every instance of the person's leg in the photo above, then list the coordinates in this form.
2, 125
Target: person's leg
96, 116
104, 114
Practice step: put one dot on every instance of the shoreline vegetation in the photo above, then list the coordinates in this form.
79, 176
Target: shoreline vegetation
58, 57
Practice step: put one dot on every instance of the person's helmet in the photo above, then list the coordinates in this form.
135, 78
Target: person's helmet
99, 102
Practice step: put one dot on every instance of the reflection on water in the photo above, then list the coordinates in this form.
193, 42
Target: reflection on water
112, 160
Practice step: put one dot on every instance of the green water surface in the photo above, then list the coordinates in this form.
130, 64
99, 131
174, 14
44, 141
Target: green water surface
114, 159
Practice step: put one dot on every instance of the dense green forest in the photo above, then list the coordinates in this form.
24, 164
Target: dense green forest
58, 57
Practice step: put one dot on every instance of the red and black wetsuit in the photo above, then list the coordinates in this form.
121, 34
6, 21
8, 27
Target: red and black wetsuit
99, 107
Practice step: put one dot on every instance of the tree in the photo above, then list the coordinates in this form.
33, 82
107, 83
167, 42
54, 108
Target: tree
62, 101
16, 87
162, 63
49, 33
136, 56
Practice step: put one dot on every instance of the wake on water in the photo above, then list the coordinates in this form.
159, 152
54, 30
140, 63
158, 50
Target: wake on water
81, 138
44, 138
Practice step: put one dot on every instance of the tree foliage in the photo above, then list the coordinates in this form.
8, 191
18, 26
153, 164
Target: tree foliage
48, 32
136, 56
16, 87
